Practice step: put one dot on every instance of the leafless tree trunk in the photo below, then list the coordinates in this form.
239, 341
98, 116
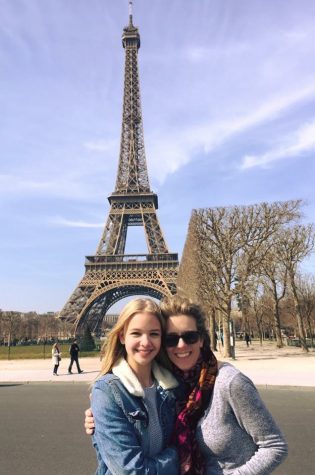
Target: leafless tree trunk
294, 245
276, 282
12, 321
213, 335
258, 308
306, 290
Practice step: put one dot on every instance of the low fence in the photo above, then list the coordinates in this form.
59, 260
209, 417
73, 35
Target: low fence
297, 342
40, 351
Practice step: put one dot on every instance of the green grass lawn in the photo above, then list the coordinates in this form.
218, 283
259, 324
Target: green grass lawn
37, 352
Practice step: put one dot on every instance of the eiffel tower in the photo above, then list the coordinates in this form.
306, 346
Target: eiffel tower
110, 274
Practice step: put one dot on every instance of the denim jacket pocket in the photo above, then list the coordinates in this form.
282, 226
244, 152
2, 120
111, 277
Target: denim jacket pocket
138, 418
140, 421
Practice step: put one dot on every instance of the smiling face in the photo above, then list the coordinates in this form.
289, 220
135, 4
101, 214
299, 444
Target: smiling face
142, 340
183, 355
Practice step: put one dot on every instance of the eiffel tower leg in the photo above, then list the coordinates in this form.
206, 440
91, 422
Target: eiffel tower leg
113, 240
93, 317
154, 235
76, 303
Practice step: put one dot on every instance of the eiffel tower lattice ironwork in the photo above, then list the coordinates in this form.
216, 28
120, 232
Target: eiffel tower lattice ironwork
110, 274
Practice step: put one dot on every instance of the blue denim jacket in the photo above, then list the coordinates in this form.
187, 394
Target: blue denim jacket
121, 438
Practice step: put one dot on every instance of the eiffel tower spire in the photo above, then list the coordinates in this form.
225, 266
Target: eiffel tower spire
110, 274
132, 190
132, 173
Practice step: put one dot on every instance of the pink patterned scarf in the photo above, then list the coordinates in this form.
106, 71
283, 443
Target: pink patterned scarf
199, 387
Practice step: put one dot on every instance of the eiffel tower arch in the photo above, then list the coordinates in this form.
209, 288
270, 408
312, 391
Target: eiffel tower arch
110, 274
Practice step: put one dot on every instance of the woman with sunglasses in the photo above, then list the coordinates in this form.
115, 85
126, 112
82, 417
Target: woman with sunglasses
222, 426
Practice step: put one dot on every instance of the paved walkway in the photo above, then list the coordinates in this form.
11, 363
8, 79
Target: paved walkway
266, 366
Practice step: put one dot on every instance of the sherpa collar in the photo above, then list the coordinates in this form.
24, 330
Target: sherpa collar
163, 377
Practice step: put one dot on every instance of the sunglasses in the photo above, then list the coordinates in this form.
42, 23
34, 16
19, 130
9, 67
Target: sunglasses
189, 338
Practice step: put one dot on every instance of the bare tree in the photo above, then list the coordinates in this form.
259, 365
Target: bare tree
1, 327
189, 271
257, 306
190, 282
29, 328
294, 245
11, 323
306, 291
276, 281
228, 245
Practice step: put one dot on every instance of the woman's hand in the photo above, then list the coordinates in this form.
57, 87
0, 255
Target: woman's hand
89, 422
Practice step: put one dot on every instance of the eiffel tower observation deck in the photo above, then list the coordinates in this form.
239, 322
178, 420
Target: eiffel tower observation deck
110, 274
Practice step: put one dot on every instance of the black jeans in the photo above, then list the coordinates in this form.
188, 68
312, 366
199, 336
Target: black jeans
76, 360
56, 368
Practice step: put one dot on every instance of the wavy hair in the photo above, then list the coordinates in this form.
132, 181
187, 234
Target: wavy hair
113, 349
176, 305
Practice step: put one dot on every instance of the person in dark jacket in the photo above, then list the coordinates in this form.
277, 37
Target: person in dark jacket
247, 339
74, 356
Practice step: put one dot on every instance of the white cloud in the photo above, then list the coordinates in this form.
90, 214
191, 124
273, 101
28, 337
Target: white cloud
63, 222
67, 186
302, 141
200, 54
170, 151
101, 145
15, 184
297, 35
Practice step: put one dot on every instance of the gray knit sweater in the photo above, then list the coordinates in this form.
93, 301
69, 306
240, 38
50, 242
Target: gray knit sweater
237, 434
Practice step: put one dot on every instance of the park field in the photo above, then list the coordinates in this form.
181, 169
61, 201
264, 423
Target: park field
20, 352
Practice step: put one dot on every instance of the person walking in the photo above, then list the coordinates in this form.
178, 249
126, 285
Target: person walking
56, 358
247, 339
74, 356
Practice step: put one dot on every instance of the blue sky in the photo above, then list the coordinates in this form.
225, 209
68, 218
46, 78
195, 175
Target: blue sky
228, 102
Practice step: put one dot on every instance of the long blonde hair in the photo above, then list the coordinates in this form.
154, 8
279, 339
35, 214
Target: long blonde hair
55, 347
113, 348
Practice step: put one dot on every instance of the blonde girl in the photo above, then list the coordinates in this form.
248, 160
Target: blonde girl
132, 399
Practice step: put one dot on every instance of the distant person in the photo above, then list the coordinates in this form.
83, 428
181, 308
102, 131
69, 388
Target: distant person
56, 358
247, 339
74, 356
221, 338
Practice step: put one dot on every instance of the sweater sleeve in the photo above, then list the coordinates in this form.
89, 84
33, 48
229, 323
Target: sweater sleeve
253, 416
117, 444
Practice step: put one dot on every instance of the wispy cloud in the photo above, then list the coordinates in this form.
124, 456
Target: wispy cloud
297, 35
179, 147
303, 141
200, 54
101, 145
68, 223
15, 184
67, 186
